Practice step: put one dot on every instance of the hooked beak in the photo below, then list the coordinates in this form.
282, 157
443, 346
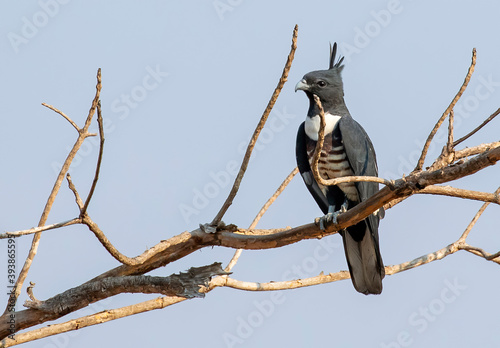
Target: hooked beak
302, 85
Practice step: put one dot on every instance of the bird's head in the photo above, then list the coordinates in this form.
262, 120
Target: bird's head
326, 84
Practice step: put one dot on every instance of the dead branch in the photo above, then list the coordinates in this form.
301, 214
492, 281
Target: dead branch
72, 187
39, 229
475, 150
421, 160
185, 284
83, 210
319, 144
485, 122
461, 193
336, 181
82, 135
129, 276
261, 213
476, 217
85, 219
179, 286
260, 126
63, 115
226, 238
90, 320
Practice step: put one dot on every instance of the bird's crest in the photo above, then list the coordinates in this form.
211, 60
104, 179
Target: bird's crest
333, 53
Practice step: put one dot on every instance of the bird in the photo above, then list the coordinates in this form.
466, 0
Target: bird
347, 150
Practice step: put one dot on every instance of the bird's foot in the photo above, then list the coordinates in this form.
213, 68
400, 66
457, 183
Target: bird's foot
328, 219
331, 217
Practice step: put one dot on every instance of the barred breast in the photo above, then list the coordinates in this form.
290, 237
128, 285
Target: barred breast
333, 164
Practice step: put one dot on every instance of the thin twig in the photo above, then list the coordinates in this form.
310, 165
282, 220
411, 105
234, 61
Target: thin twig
93, 319
493, 256
475, 218
475, 150
319, 142
107, 244
421, 160
465, 137
50, 201
344, 179
261, 213
260, 126
72, 187
480, 252
317, 154
39, 229
271, 200
422, 260
282, 285
461, 193
62, 114
449, 144
99, 159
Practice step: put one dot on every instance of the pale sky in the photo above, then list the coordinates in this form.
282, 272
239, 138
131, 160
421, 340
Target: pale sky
184, 84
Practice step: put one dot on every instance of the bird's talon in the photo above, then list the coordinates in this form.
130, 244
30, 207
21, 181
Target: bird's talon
328, 219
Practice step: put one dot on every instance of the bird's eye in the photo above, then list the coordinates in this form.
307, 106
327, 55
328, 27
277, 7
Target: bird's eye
321, 83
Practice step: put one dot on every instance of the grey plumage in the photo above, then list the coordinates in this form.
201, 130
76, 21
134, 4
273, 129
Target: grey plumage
361, 241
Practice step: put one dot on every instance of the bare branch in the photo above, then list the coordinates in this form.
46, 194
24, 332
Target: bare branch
186, 284
72, 187
471, 151
449, 143
476, 217
128, 278
422, 260
39, 229
85, 219
99, 159
29, 290
336, 181
261, 232
93, 319
188, 242
421, 160
261, 213
465, 137
461, 193
271, 200
224, 281
257, 131
163, 302
63, 115
283, 285
480, 252
319, 144
50, 201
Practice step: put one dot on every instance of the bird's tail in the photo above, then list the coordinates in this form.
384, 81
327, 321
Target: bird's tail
363, 258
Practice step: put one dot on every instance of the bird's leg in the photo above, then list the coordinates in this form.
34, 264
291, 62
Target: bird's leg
332, 215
